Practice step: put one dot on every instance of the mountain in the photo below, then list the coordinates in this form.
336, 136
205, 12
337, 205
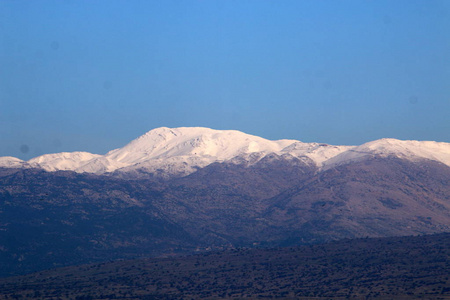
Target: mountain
181, 151
177, 191
176, 152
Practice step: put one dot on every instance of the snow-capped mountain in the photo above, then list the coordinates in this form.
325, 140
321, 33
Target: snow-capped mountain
410, 150
241, 191
181, 151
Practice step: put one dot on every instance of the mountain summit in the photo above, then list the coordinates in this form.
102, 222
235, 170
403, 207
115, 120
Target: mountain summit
181, 151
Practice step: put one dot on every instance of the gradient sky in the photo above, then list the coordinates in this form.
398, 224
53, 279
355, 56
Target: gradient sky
93, 75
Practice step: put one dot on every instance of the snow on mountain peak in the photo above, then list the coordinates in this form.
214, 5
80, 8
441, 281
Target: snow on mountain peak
12, 162
318, 153
409, 149
219, 145
183, 150
62, 161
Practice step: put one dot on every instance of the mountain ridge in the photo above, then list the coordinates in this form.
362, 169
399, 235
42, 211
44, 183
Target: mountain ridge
181, 151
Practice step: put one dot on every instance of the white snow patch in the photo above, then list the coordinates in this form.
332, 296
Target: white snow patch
318, 153
411, 150
62, 161
12, 162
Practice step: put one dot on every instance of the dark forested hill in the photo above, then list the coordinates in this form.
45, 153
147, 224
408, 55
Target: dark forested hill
372, 268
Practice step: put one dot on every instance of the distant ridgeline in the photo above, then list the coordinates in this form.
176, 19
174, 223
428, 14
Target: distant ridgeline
169, 152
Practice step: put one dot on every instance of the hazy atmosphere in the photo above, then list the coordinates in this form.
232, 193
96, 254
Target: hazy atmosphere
93, 75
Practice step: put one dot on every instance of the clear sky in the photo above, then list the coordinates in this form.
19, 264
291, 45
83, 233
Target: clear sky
93, 75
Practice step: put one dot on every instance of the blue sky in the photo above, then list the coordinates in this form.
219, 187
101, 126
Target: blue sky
93, 75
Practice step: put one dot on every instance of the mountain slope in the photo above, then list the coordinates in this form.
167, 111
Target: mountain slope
376, 197
50, 219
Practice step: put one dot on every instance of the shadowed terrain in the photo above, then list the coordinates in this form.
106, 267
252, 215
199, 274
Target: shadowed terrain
373, 268
55, 219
